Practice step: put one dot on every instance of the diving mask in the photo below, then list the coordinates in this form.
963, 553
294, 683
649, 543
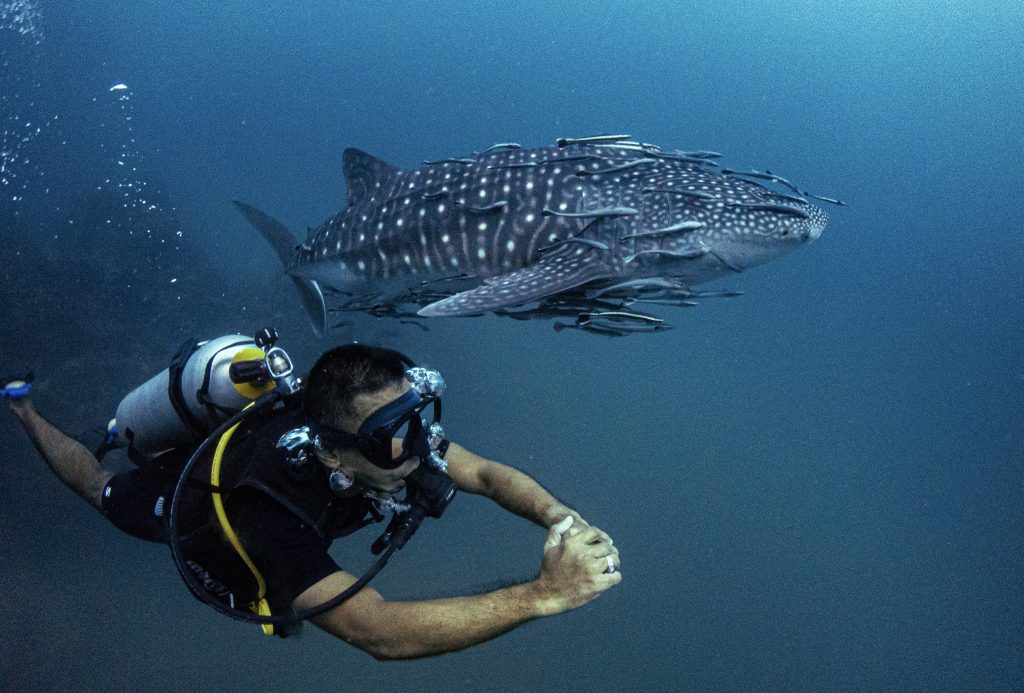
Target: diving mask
401, 418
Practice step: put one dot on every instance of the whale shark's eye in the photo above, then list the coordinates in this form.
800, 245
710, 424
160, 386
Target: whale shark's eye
785, 232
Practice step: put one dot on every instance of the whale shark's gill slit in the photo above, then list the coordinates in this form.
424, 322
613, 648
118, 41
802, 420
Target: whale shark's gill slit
435, 194
720, 258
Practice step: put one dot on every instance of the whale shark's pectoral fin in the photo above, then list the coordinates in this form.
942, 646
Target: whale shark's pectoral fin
554, 273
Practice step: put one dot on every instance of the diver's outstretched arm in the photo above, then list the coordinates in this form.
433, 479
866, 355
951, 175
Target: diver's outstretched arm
510, 488
71, 461
574, 571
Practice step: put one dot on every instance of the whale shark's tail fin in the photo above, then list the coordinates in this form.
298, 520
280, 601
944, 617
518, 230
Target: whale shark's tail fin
283, 243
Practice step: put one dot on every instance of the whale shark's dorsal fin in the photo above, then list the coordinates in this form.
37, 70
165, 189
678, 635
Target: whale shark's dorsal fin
364, 174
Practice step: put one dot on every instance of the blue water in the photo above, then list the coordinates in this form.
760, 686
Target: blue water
815, 486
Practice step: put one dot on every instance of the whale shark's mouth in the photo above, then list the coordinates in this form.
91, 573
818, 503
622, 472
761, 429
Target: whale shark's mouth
816, 224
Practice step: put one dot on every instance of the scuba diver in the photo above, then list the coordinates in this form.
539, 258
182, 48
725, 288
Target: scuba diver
249, 473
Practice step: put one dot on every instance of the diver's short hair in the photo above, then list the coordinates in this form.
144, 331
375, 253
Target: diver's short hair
343, 373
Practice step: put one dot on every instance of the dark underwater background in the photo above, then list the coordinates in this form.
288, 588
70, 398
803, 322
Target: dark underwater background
818, 485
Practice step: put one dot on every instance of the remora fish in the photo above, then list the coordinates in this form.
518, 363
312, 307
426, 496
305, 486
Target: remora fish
513, 227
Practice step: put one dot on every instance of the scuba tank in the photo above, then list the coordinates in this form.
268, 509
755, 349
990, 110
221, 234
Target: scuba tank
206, 383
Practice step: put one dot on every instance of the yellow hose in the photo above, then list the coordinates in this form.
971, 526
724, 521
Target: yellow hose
261, 606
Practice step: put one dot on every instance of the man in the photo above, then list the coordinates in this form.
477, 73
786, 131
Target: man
299, 479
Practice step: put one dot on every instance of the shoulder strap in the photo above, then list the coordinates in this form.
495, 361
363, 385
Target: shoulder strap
174, 393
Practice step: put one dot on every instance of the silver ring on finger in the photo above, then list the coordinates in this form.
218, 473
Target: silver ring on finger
611, 565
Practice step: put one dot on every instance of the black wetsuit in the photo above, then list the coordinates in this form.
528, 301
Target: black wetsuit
285, 523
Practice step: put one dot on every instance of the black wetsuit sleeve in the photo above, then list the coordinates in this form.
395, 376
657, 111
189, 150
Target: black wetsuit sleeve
289, 554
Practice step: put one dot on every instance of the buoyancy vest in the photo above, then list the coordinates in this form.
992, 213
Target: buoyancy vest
254, 461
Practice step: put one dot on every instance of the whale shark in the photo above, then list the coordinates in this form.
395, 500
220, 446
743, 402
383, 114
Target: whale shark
592, 228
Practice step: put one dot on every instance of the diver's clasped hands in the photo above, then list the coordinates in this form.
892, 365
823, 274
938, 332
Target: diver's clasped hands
579, 563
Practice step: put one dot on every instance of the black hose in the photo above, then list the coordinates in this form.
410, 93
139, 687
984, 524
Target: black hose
201, 592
